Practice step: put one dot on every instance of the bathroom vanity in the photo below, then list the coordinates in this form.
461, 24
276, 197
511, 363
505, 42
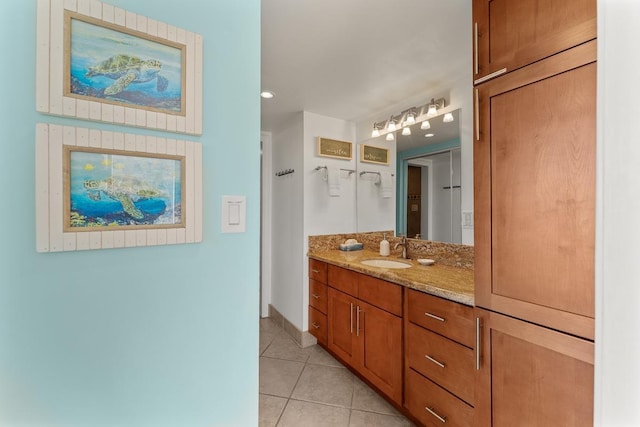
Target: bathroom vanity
409, 332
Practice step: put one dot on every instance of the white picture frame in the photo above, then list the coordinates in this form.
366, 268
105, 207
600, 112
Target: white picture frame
51, 236
55, 96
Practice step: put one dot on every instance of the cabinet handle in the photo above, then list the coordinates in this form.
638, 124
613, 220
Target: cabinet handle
432, 412
315, 296
477, 343
476, 114
351, 318
475, 48
315, 325
442, 365
313, 270
433, 316
358, 322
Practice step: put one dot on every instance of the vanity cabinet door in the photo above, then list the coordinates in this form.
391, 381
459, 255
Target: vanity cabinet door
534, 178
530, 375
380, 344
510, 34
341, 321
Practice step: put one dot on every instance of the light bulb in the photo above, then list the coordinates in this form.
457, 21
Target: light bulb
406, 131
448, 118
428, 135
391, 126
425, 125
390, 137
411, 119
432, 112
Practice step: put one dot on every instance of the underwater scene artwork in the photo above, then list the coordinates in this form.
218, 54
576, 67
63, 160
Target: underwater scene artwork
107, 190
119, 67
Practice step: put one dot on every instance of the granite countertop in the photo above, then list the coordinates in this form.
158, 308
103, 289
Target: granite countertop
452, 283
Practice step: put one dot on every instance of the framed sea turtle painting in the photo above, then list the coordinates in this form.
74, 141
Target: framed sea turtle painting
100, 62
97, 189
112, 188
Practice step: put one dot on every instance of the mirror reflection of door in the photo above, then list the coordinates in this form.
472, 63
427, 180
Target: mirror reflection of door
433, 205
414, 197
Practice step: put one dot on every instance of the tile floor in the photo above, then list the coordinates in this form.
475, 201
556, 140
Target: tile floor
307, 387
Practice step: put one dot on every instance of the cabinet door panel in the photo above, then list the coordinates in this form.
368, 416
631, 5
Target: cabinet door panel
535, 192
380, 335
512, 34
530, 375
341, 325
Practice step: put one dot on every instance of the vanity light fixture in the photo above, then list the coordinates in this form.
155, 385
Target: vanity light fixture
409, 117
390, 136
406, 130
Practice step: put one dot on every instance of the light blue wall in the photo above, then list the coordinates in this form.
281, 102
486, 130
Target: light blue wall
162, 336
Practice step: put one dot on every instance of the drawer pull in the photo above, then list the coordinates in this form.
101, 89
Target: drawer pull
442, 365
315, 325
439, 417
315, 296
433, 316
315, 271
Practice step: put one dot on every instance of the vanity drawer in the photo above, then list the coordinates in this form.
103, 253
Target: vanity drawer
318, 325
423, 396
318, 295
382, 294
448, 318
318, 270
343, 280
445, 362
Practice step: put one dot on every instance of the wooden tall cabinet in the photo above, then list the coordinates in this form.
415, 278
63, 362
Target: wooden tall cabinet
532, 376
510, 34
534, 202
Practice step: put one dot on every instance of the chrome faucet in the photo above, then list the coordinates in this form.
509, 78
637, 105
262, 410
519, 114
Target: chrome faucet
404, 246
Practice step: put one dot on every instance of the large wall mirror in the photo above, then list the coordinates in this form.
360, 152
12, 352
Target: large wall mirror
427, 202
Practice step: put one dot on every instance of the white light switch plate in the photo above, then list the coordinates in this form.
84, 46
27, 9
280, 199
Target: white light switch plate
467, 219
234, 214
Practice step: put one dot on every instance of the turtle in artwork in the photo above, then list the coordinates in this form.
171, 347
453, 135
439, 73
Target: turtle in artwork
126, 69
124, 189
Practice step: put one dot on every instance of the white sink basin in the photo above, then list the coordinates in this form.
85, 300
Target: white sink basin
385, 263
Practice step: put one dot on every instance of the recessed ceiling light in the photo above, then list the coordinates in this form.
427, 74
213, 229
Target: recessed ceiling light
429, 135
267, 94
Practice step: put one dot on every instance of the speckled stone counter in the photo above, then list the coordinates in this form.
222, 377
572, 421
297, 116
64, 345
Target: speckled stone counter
452, 283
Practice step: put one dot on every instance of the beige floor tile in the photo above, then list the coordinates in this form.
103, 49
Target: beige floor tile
267, 324
320, 356
307, 414
364, 398
370, 419
325, 384
284, 347
278, 377
270, 410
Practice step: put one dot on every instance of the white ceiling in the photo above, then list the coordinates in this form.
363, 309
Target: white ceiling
350, 59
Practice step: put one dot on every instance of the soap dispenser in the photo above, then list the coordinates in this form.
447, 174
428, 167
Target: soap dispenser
384, 246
